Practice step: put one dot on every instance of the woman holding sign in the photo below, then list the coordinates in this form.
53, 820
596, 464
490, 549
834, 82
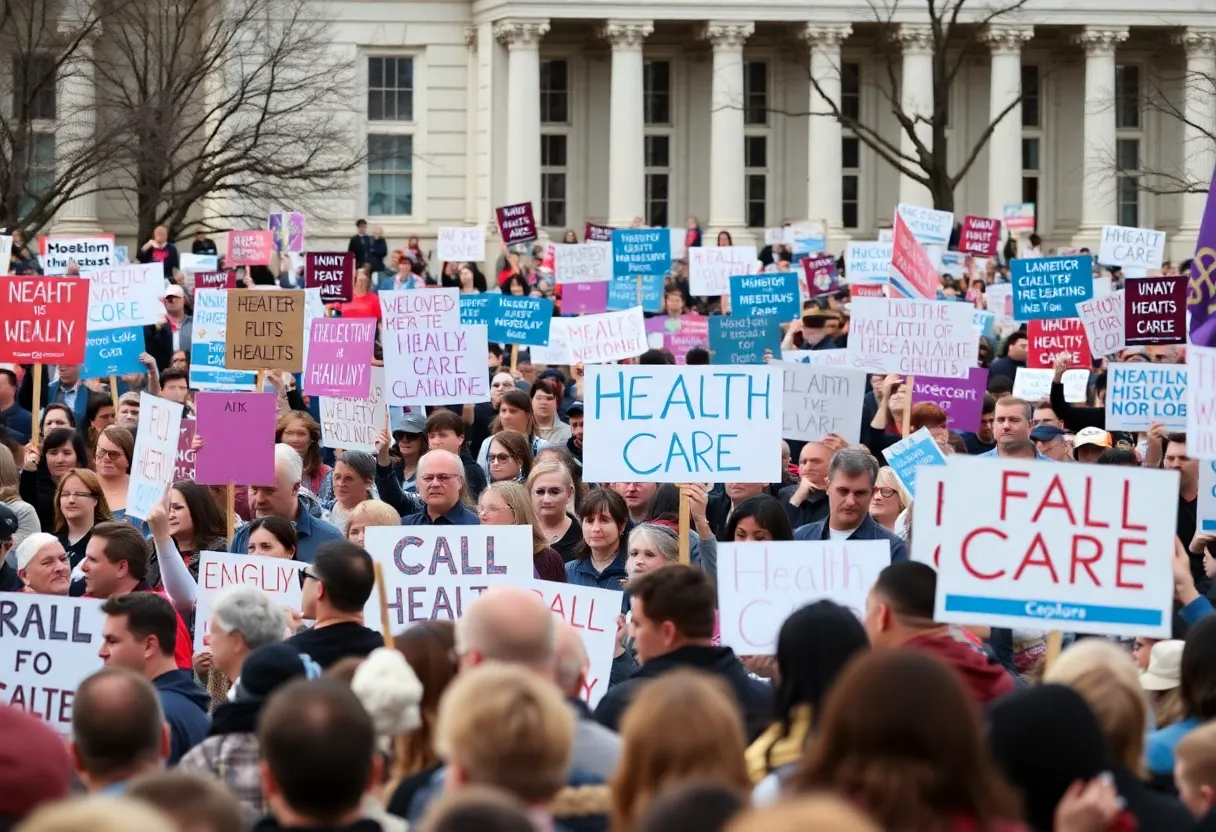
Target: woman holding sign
188, 523
62, 451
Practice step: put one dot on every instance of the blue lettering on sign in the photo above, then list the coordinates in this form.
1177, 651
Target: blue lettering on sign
641, 251
474, 308
743, 340
518, 320
644, 290
1053, 610
766, 295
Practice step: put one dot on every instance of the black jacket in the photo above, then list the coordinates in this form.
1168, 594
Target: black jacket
1156, 812
811, 510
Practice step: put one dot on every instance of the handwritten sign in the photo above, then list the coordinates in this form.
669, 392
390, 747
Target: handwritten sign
331, 272
821, 400
214, 280
585, 263
639, 290
1201, 402
516, 223
773, 295
819, 276
914, 336
113, 352
249, 248
125, 296
44, 320
279, 578
682, 424
929, 226
430, 357
809, 237
783, 236
912, 273
1019, 217
1138, 394
962, 399
237, 430
761, 584
1050, 287
1103, 319
612, 336
867, 264
48, 646
340, 357
155, 453
462, 244
592, 612
640, 251
1034, 384
584, 298
980, 235
1069, 547
1048, 338
208, 346
1155, 311
520, 320
265, 330
710, 268
912, 453
353, 424
93, 252
183, 468
287, 230
478, 308
593, 233
1131, 248
736, 340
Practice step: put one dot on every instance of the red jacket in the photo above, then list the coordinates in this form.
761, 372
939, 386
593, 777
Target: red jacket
984, 679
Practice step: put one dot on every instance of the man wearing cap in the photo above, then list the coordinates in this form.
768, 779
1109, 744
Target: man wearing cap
1051, 442
180, 324
1089, 444
12, 415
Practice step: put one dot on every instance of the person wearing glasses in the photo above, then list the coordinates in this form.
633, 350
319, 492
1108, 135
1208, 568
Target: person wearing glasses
441, 484
115, 448
79, 506
889, 501
336, 587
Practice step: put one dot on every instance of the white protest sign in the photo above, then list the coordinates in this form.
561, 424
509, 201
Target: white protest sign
207, 348
682, 424
820, 400
461, 245
191, 263
48, 646
999, 299
1102, 317
558, 350
867, 262
160, 422
1138, 394
929, 226
582, 262
1035, 384
126, 296
1131, 248
827, 358
89, 253
1103, 286
710, 268
435, 572
6, 252
783, 236
611, 336
1201, 402
761, 584
429, 356
1205, 508
592, 612
921, 337
314, 308
354, 424
1048, 546
277, 577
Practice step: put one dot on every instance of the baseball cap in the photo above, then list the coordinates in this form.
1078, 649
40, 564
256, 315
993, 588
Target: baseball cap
408, 420
8, 523
174, 291
1091, 436
1164, 666
34, 764
270, 667
1045, 433
575, 409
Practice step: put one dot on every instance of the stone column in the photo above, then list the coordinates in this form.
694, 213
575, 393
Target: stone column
1198, 148
470, 127
824, 132
626, 150
726, 195
522, 38
916, 100
76, 89
1098, 207
1005, 144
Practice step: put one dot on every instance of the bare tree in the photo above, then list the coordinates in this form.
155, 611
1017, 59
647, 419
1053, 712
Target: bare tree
223, 109
1166, 93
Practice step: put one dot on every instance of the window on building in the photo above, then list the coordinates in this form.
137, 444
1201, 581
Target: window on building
39, 171
658, 180
850, 90
755, 92
390, 175
656, 92
554, 91
1127, 181
850, 181
1127, 96
390, 89
34, 86
755, 161
1031, 167
553, 180
1030, 96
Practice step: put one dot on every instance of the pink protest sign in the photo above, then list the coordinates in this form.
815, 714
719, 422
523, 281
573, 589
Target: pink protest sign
516, 223
962, 399
1048, 338
249, 248
912, 273
237, 430
340, 357
584, 298
980, 235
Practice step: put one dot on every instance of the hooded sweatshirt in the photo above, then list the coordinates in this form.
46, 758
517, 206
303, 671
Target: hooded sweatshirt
185, 705
984, 679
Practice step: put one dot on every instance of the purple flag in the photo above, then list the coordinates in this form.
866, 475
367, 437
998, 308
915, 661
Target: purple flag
1201, 299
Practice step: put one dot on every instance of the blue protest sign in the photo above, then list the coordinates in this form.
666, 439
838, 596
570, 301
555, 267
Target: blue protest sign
1050, 287
477, 308
911, 452
636, 290
773, 295
113, 352
645, 251
742, 340
519, 320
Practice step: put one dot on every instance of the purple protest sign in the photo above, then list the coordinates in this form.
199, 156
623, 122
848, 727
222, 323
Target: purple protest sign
183, 468
584, 298
516, 223
980, 235
1201, 297
593, 233
340, 357
237, 430
819, 275
331, 272
962, 399
1155, 310
693, 332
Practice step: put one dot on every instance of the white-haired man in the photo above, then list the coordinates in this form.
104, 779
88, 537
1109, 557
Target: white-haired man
283, 500
441, 484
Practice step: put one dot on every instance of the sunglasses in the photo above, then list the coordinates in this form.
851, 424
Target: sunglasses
305, 574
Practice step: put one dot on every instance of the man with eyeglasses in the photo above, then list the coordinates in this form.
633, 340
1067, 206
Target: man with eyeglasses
441, 484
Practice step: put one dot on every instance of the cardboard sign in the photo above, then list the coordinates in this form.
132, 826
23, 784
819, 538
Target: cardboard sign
331, 272
214, 280
710, 268
584, 263
761, 584
430, 357
1103, 320
354, 424
773, 295
48, 646
113, 352
1050, 287
126, 296
735, 340
912, 273
821, 400
962, 399
592, 612
1131, 248
183, 468
93, 252
912, 453
516, 223
593, 233
279, 578
819, 276
44, 320
612, 336
1034, 385
645, 291
682, 424
1201, 402
867, 263
265, 330
433, 573
1042, 546
520, 320
237, 430
928, 225
1138, 394
914, 336
1155, 311
641, 251
584, 298
249, 248
208, 345
980, 235
340, 357
155, 453
461, 244
1048, 338
287, 231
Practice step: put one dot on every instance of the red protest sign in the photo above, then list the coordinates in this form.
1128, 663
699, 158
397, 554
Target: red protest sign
980, 235
867, 290
593, 233
819, 275
1048, 338
215, 280
1155, 310
249, 248
516, 223
44, 319
331, 272
912, 272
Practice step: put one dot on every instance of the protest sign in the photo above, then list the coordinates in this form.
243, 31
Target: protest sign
640, 251
1138, 394
829, 358
44, 319
1103, 320
819, 276
516, 224
520, 320
195, 263
783, 236
1136, 248
126, 296
984, 323
710, 268
557, 351
1000, 304
912, 273
929, 226
353, 424
682, 424
1205, 508
612, 336
331, 272
955, 263
155, 453
287, 230
461, 245
183, 468
678, 335
821, 400
584, 298
1019, 217
909, 454
433, 573
237, 430
1034, 384
1201, 402
593, 233
809, 237
279, 578
1103, 286
1155, 311
92, 252
1050, 287
761, 584
1042, 546
592, 612
867, 263
249, 248
6, 252
1047, 338
207, 347
1201, 297
645, 291
585, 263
914, 336
962, 399
430, 357
48, 646
214, 280
265, 330
113, 352
980, 235
478, 308
735, 340
773, 295
340, 357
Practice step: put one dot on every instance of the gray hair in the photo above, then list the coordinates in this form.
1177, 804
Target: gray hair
853, 463
361, 462
288, 462
660, 538
249, 611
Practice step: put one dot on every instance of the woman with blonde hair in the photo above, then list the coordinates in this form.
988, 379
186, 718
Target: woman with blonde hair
552, 491
369, 513
302, 433
507, 504
686, 727
890, 500
10, 495
1163, 681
